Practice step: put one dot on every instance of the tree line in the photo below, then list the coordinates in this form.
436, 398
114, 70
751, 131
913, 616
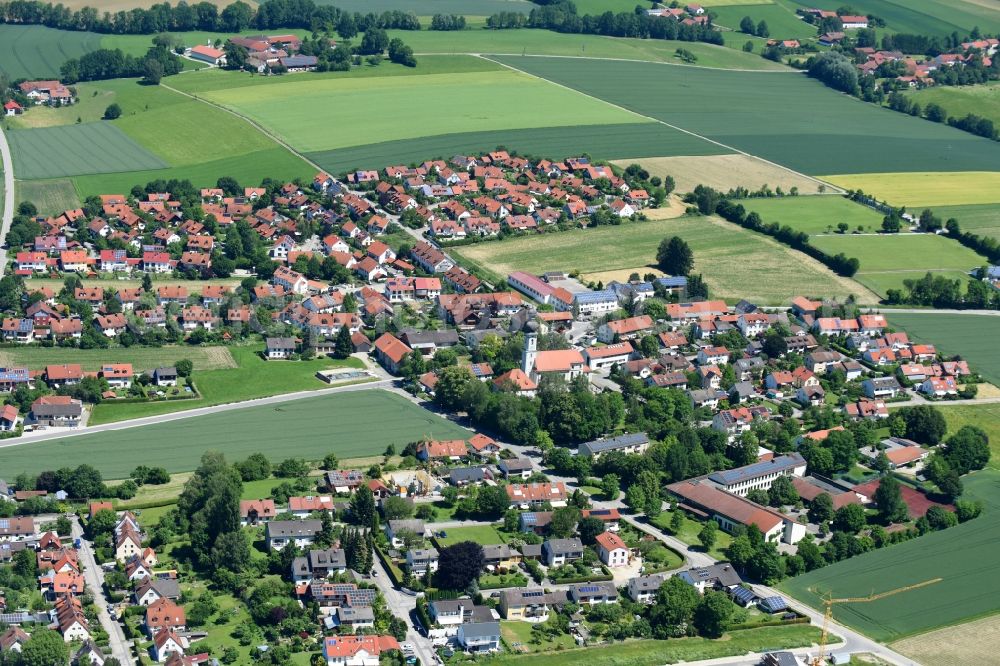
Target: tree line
159, 61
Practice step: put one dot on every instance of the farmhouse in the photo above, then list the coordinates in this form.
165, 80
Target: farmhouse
47, 92
212, 56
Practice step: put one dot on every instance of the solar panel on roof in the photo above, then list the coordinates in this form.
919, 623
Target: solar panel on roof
590, 588
743, 594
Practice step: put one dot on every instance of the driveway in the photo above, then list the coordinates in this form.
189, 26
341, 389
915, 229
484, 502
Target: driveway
94, 577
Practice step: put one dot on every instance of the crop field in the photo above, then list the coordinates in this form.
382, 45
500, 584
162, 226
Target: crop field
52, 152
796, 121
327, 114
431, 7
724, 172
816, 214
930, 17
141, 358
966, 643
308, 428
886, 260
963, 556
918, 190
51, 197
982, 100
37, 52
736, 263
971, 336
978, 218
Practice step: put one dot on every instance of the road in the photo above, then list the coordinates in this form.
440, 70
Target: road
8, 198
401, 605
94, 577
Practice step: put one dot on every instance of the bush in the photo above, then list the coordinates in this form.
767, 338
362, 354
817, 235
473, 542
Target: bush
113, 112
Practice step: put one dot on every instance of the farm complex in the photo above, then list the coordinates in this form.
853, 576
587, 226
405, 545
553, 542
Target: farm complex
500, 332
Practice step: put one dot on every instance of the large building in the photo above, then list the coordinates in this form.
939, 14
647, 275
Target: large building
636, 442
759, 475
705, 499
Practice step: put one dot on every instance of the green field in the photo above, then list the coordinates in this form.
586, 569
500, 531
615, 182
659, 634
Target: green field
786, 118
887, 260
985, 416
971, 336
815, 214
981, 219
37, 52
982, 100
430, 7
52, 197
484, 535
141, 358
928, 17
781, 21
962, 556
100, 147
736, 263
308, 428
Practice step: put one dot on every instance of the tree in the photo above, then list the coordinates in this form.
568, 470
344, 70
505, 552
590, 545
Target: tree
342, 345
589, 528
450, 390
374, 41
673, 611
821, 509
330, 461
102, 523
396, 508
152, 71
564, 520
363, 507
762, 30
492, 502
924, 424
782, 492
709, 534
459, 565
184, 367
84, 482
113, 112
44, 648
210, 502
747, 26
611, 487
850, 518
713, 614
941, 518
967, 450
674, 256
774, 346
635, 498
255, 468
835, 70
889, 500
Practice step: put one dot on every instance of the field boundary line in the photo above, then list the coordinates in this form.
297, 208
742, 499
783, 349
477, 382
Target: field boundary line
253, 123
788, 70
662, 122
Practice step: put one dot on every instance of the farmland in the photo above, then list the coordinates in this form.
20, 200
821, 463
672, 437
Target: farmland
308, 428
50, 196
724, 172
781, 21
958, 555
796, 122
982, 100
926, 189
961, 644
81, 149
979, 219
37, 52
972, 336
930, 17
815, 215
142, 358
886, 260
735, 263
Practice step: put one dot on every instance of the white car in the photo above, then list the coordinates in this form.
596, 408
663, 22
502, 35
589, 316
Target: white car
407, 648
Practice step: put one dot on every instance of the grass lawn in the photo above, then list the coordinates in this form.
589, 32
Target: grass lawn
689, 534
518, 637
815, 214
141, 358
253, 377
89, 148
484, 535
919, 190
986, 417
736, 263
37, 52
958, 555
796, 121
889, 259
982, 219
654, 653
51, 197
309, 428
972, 336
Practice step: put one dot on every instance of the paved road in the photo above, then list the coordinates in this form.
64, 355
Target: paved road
94, 577
401, 605
8, 198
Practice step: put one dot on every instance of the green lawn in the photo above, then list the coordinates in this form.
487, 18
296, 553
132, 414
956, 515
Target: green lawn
786, 118
889, 259
971, 336
957, 555
142, 358
52, 197
689, 534
37, 52
983, 219
309, 428
484, 535
518, 637
981, 100
253, 377
736, 263
815, 214
99, 147
985, 416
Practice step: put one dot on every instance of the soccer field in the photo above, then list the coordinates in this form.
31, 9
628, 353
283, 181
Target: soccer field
352, 425
71, 150
974, 337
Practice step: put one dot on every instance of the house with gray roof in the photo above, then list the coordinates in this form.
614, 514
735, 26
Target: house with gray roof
319, 564
631, 443
720, 576
422, 560
759, 475
277, 348
643, 589
515, 467
463, 476
394, 527
302, 533
557, 552
479, 637
594, 593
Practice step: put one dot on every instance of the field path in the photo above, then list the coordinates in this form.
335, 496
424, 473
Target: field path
652, 119
8, 198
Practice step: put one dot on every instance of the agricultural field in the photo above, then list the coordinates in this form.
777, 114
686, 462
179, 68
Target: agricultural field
816, 214
725, 172
986, 416
51, 197
782, 21
736, 263
957, 555
308, 428
981, 219
431, 7
886, 260
141, 358
971, 336
53, 152
929, 17
796, 121
37, 52
960, 644
919, 190
982, 100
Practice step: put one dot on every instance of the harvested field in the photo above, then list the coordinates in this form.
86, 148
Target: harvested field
82, 149
967, 643
724, 172
926, 189
141, 358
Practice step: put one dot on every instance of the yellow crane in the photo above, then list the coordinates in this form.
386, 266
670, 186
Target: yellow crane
829, 601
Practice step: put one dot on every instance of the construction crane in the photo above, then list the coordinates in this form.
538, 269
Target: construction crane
829, 601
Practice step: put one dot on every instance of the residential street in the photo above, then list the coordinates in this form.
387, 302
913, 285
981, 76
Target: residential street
94, 577
401, 606
8, 198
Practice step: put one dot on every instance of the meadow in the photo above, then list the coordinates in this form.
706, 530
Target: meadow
142, 358
308, 428
725, 172
37, 52
736, 263
982, 100
962, 556
986, 416
815, 214
929, 17
978, 218
971, 336
52, 152
795, 121
919, 190
484, 535
886, 260
781, 20
51, 197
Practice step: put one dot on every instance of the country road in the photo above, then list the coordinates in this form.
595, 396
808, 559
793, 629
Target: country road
8, 198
